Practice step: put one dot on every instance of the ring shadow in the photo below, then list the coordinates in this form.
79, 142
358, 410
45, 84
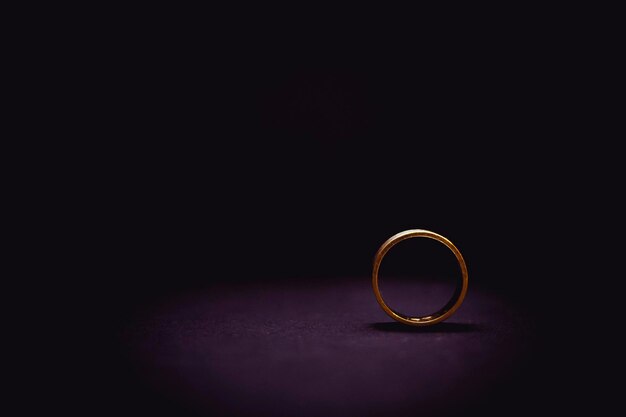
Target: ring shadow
445, 327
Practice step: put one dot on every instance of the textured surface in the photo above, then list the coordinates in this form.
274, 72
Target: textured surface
308, 349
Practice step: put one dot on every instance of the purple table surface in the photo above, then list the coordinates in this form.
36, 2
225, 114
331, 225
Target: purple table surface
306, 348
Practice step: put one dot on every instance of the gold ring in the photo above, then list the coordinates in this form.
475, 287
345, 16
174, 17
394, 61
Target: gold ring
450, 307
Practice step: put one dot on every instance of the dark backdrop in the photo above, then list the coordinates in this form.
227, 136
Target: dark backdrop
240, 160
261, 165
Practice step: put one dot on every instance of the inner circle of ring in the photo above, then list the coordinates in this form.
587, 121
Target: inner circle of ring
451, 306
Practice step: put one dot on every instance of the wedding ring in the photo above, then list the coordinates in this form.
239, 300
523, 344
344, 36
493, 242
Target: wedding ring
451, 306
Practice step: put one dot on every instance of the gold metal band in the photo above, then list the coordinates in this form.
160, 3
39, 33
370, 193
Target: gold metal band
450, 307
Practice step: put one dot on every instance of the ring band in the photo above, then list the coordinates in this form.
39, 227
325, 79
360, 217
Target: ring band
450, 307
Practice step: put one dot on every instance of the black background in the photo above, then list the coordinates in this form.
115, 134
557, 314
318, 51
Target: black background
235, 157
249, 164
